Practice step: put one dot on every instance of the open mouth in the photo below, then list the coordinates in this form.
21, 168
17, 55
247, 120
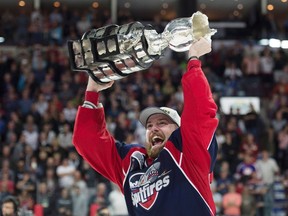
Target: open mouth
156, 140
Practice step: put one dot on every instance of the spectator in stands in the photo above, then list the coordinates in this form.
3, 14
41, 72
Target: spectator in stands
269, 26
56, 15
249, 146
40, 165
5, 153
117, 205
65, 138
65, 173
47, 88
267, 169
79, 201
229, 152
11, 100
57, 149
232, 76
28, 157
224, 180
281, 86
19, 170
248, 206
45, 199
4, 192
74, 159
31, 135
26, 184
83, 25
91, 177
252, 122
258, 189
41, 104
266, 68
245, 169
64, 203
251, 63
22, 24
280, 60
39, 64
51, 181
232, 201
251, 71
50, 134
26, 200
36, 27
12, 140
100, 196
278, 122
70, 112
80, 184
282, 140
6, 184
65, 94
25, 102
6, 170
122, 127
9, 206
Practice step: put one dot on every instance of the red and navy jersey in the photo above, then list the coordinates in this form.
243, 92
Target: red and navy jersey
178, 181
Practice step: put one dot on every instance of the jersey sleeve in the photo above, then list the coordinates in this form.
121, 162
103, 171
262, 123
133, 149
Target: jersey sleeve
198, 119
95, 144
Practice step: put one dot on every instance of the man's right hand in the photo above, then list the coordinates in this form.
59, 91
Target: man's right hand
96, 87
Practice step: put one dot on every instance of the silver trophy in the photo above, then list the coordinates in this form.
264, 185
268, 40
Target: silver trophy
112, 52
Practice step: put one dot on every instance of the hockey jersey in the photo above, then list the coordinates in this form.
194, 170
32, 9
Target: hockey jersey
177, 182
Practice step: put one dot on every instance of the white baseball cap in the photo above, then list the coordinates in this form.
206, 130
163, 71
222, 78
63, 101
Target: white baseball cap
171, 113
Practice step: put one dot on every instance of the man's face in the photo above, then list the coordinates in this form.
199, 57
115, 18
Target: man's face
159, 127
8, 209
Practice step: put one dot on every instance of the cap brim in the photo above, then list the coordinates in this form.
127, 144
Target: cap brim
146, 113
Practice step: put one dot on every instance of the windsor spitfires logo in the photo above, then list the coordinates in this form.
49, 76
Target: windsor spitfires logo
145, 187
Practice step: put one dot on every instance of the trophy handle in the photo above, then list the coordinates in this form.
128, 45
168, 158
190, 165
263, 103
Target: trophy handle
74, 67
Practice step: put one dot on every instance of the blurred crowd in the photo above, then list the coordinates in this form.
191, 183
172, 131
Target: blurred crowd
39, 96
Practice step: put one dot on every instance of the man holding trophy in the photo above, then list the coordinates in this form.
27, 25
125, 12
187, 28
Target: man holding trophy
171, 174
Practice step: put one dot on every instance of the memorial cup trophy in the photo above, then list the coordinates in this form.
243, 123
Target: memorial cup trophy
113, 52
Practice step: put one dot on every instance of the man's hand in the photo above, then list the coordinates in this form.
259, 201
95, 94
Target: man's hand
93, 86
200, 47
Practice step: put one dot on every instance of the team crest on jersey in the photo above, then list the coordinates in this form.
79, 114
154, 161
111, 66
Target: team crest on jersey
145, 187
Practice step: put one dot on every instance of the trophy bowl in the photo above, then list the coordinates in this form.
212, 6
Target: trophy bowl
112, 52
